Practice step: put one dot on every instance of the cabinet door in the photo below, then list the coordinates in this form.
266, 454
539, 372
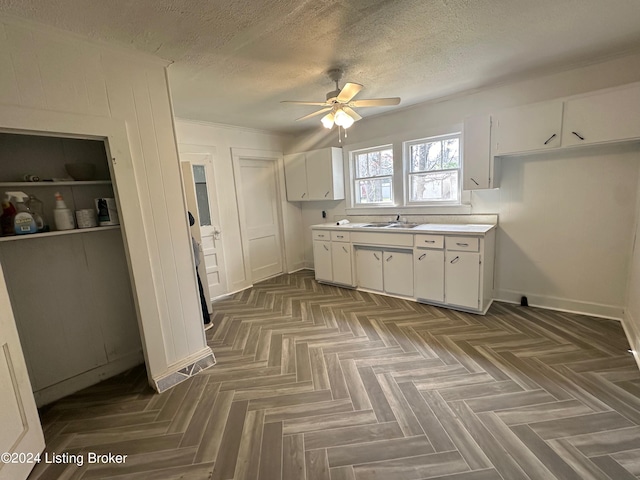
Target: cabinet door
398, 273
477, 164
369, 268
462, 279
295, 174
602, 117
529, 128
322, 260
325, 174
341, 263
428, 274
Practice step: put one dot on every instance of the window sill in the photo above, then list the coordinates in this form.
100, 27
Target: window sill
411, 210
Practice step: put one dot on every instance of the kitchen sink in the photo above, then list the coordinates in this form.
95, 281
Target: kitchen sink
403, 225
377, 225
390, 225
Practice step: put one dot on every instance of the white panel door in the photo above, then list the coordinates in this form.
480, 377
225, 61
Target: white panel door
20, 429
261, 217
202, 202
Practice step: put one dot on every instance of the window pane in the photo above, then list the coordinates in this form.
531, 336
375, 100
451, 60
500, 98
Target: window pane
376, 190
202, 196
451, 153
431, 187
440, 155
386, 162
362, 166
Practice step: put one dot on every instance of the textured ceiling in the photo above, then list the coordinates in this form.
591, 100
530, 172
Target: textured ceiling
235, 60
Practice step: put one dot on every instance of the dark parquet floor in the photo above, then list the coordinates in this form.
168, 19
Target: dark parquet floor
319, 382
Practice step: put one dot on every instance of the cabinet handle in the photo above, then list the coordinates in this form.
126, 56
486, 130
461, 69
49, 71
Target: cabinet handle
549, 139
455, 260
429, 241
321, 236
389, 257
326, 248
325, 195
345, 250
474, 181
340, 236
578, 135
462, 244
303, 195
376, 255
422, 256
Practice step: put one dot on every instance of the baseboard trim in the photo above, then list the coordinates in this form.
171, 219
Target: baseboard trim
86, 379
632, 331
184, 370
611, 312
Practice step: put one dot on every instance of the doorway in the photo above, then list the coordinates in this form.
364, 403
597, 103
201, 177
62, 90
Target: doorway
202, 202
259, 198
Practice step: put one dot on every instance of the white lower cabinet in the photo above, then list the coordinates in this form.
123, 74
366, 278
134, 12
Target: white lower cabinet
447, 270
462, 279
369, 268
428, 274
341, 263
322, 260
397, 270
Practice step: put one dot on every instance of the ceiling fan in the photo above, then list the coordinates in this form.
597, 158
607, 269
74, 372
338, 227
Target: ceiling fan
339, 105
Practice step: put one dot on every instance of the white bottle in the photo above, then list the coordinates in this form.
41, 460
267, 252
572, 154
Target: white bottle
62, 216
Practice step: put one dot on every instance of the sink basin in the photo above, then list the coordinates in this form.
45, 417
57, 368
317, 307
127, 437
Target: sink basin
390, 225
377, 225
403, 225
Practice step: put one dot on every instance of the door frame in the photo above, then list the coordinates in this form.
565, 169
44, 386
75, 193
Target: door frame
278, 162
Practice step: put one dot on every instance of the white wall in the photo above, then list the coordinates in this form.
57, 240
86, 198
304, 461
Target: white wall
566, 220
219, 140
53, 81
631, 319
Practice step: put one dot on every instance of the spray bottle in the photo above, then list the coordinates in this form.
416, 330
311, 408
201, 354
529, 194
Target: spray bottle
62, 215
7, 217
23, 222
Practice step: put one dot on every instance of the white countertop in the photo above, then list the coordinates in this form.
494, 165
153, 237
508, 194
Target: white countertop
459, 228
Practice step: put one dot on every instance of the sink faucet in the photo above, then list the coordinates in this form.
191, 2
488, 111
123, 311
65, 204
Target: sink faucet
398, 218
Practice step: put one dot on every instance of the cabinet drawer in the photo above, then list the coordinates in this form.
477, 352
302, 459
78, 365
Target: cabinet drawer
386, 239
340, 236
430, 241
463, 244
321, 235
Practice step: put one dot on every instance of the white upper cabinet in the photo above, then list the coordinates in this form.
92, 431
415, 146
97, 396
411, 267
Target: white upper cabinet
608, 116
478, 170
529, 128
295, 172
315, 175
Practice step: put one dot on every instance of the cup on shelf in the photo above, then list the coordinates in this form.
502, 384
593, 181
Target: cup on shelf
86, 218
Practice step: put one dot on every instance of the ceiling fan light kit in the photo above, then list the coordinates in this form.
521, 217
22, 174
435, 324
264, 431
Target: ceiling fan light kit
339, 103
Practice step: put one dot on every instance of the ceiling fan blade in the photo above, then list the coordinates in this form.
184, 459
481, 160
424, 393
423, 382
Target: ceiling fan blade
322, 110
375, 102
320, 104
352, 113
349, 91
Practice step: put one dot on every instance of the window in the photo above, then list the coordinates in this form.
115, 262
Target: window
202, 196
433, 170
373, 176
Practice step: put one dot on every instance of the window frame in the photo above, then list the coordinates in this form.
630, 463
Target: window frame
407, 174
354, 176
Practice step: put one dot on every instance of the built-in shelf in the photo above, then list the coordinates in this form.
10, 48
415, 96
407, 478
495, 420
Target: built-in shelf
54, 184
57, 233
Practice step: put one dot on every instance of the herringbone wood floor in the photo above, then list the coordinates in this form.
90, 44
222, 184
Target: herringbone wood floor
318, 382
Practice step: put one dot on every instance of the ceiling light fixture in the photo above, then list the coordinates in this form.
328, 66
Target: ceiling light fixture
328, 120
343, 119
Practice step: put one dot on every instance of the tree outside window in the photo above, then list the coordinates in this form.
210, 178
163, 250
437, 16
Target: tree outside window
373, 179
434, 170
